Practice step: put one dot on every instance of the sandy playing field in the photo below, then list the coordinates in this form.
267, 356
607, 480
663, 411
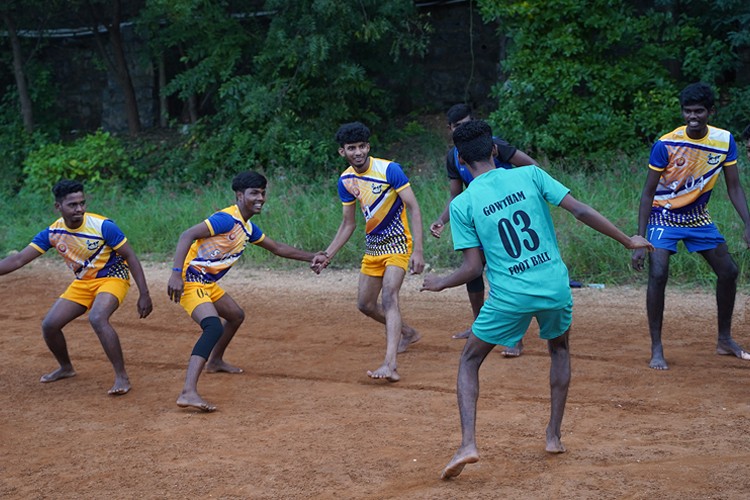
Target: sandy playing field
304, 420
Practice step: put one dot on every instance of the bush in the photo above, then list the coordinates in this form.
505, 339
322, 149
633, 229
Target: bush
93, 159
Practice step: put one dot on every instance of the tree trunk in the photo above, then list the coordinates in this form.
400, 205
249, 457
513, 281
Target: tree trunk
163, 111
23, 89
123, 74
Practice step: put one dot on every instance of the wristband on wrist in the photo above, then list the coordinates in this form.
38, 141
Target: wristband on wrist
178, 269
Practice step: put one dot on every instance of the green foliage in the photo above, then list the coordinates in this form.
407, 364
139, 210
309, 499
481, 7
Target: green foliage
93, 159
593, 79
314, 70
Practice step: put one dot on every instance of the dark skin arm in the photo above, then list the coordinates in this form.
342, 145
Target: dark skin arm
18, 260
471, 267
644, 210
175, 286
344, 232
144, 305
738, 199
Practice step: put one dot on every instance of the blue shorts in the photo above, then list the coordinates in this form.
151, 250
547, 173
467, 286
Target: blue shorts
696, 239
507, 328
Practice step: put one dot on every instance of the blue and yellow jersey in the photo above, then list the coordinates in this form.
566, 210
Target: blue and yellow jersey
88, 250
689, 170
387, 228
210, 258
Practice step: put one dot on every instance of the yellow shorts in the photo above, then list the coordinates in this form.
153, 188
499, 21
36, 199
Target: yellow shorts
196, 294
374, 265
85, 291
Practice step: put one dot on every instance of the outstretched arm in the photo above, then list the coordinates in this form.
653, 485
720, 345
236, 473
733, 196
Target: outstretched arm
521, 159
436, 228
175, 286
737, 196
416, 262
471, 267
345, 231
597, 221
286, 251
144, 305
18, 260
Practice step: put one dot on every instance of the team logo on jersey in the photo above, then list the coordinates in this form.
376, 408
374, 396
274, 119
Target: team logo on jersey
680, 162
92, 245
377, 188
713, 159
62, 248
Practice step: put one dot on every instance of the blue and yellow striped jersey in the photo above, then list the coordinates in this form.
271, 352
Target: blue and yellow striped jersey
210, 258
88, 250
387, 228
689, 170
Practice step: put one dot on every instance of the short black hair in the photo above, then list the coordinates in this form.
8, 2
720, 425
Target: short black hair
458, 112
350, 133
248, 179
697, 93
746, 133
473, 141
64, 187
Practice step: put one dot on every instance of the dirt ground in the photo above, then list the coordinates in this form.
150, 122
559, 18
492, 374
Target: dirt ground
304, 420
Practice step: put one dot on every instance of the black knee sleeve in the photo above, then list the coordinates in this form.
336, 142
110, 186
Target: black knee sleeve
212, 331
475, 285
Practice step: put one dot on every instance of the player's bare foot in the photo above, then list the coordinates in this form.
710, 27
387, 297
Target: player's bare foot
222, 366
554, 445
58, 374
513, 352
385, 372
462, 335
726, 347
122, 386
462, 457
407, 339
194, 401
657, 359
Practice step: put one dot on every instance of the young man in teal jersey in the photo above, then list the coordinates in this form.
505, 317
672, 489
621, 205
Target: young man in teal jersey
505, 213
98, 253
392, 248
505, 156
683, 169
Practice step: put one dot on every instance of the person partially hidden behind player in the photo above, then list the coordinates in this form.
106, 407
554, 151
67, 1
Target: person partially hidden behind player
504, 156
683, 168
98, 253
205, 252
505, 213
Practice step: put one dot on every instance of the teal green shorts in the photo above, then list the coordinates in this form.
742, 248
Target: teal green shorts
507, 328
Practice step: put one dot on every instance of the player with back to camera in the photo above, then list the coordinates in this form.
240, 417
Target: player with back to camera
205, 252
506, 213
385, 196
98, 253
683, 168
504, 156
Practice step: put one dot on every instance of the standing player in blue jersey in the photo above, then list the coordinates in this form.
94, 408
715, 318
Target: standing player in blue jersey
505, 214
205, 253
505, 156
101, 258
385, 196
683, 169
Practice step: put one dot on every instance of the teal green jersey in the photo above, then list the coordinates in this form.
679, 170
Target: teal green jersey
506, 213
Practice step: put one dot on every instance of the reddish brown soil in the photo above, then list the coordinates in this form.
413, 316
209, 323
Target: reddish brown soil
304, 420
